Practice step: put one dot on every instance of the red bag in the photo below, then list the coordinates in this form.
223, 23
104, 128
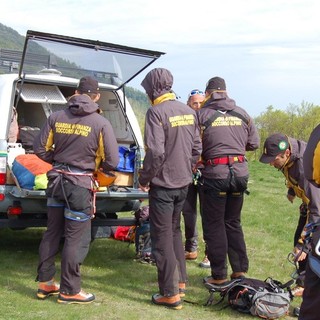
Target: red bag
124, 233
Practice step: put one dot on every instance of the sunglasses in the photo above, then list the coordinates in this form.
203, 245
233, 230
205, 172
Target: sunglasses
196, 91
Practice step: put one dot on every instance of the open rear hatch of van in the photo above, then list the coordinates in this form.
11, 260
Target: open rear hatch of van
72, 58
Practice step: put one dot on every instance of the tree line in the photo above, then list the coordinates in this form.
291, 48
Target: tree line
297, 121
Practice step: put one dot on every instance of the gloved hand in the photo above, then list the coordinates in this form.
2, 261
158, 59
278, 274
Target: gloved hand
307, 232
196, 176
299, 252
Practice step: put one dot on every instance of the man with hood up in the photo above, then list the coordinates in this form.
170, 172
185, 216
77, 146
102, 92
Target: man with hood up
227, 133
173, 147
77, 141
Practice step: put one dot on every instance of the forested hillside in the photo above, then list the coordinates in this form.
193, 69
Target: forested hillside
296, 121
139, 102
10, 39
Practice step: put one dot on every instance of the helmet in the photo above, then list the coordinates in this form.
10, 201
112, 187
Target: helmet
104, 179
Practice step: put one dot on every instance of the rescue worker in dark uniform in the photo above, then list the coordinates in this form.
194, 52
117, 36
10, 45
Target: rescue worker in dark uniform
173, 146
286, 154
189, 211
76, 140
227, 133
311, 295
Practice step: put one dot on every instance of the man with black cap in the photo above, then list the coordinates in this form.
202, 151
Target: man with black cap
227, 133
77, 141
173, 147
286, 154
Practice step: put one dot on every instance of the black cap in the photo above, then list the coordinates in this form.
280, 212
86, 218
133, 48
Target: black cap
274, 145
88, 85
216, 83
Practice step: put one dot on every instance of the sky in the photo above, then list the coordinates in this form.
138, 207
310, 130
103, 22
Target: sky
266, 50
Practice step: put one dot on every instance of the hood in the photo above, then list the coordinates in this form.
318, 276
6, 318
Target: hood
219, 101
157, 82
82, 105
297, 148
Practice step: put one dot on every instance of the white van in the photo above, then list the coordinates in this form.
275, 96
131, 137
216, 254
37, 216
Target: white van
37, 82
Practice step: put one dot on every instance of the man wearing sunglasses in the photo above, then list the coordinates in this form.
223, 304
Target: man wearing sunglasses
189, 211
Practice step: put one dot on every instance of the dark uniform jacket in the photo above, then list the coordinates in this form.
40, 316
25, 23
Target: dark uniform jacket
296, 181
172, 139
80, 137
311, 166
227, 135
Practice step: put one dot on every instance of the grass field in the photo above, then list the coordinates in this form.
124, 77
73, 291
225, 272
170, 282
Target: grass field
123, 287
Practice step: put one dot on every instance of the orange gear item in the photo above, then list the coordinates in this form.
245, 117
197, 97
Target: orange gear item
104, 179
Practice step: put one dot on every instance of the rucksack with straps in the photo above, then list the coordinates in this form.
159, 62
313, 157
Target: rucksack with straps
269, 299
142, 235
218, 114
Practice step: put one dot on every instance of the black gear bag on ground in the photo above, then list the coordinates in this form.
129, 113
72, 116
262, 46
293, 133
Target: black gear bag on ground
269, 299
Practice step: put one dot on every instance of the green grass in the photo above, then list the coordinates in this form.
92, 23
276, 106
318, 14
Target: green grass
123, 287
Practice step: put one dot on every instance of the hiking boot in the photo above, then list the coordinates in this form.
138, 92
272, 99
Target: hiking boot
219, 282
182, 289
47, 289
191, 255
238, 275
173, 302
297, 291
79, 298
205, 263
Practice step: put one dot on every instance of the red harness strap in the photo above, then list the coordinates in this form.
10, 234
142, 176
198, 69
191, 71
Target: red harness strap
225, 160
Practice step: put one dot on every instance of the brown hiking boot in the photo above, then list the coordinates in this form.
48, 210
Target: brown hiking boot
238, 275
182, 289
47, 289
218, 282
79, 298
173, 302
192, 255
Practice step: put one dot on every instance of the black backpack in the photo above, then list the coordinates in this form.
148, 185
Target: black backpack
269, 299
142, 235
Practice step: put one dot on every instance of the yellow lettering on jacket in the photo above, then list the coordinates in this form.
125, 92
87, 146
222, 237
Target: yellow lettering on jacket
226, 122
182, 120
72, 128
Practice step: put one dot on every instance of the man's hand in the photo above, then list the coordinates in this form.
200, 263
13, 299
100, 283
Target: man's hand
299, 254
144, 188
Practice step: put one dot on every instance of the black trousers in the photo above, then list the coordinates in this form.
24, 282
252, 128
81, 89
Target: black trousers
190, 219
165, 206
221, 222
311, 295
77, 238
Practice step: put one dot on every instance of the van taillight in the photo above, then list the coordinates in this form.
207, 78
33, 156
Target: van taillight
3, 170
3, 178
15, 210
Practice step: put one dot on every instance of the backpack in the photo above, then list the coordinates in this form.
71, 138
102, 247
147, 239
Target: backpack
268, 299
142, 235
142, 214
